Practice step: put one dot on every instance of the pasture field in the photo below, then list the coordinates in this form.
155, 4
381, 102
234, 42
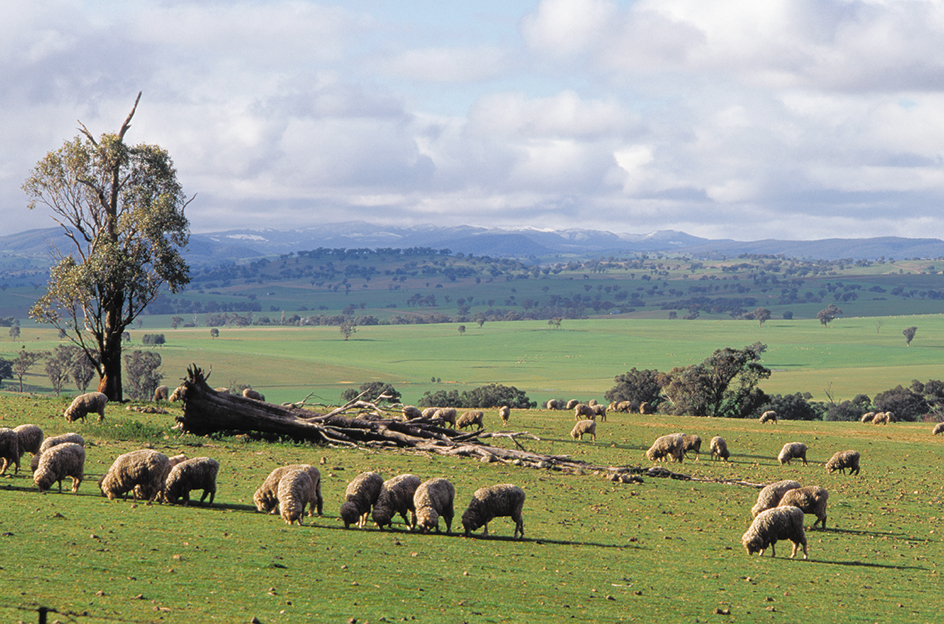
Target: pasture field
663, 549
852, 356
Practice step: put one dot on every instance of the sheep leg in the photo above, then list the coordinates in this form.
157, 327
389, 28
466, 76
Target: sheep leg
519, 526
75, 484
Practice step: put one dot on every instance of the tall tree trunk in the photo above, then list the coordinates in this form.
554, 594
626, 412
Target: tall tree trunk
110, 382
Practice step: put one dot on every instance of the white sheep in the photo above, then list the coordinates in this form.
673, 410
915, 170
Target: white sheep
691, 443
447, 414
140, 472
645, 408
768, 416
571, 404
294, 492
59, 462
434, 499
266, 497
779, 523
599, 410
938, 428
30, 438
493, 502
624, 406
867, 417
410, 412
85, 404
359, 497
553, 404
198, 473
52, 441
883, 418
504, 412
582, 427
811, 500
9, 449
429, 412
161, 393
719, 448
471, 417
249, 393
582, 411
842, 460
769, 497
667, 446
396, 497
791, 451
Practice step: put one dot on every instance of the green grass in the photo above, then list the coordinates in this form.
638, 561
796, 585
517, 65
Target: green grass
594, 550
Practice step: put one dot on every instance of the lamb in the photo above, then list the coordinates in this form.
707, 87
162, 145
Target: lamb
410, 412
553, 404
432, 499
792, 450
583, 411
769, 497
504, 412
85, 404
571, 404
768, 416
294, 492
52, 441
668, 445
691, 443
472, 417
249, 393
867, 417
810, 500
582, 427
719, 448
359, 497
59, 462
161, 393
396, 497
140, 472
266, 497
9, 449
938, 428
198, 473
492, 502
30, 438
842, 460
772, 525
600, 410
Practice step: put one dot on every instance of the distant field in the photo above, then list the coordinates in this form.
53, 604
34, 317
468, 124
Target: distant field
851, 356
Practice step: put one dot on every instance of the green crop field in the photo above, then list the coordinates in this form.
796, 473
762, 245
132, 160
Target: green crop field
594, 551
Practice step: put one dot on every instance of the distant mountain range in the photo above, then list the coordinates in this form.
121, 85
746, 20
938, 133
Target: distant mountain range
30, 249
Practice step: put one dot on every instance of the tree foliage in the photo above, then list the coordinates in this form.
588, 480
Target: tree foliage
909, 334
25, 361
123, 211
490, 395
374, 390
6, 370
143, 374
58, 365
795, 406
761, 315
724, 385
637, 387
828, 314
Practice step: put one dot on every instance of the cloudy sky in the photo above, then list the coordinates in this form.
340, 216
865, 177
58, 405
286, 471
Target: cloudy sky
742, 119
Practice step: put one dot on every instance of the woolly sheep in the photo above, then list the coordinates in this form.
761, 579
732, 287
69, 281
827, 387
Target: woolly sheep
769, 497
30, 438
691, 443
177, 394
645, 408
249, 393
9, 449
396, 497
719, 448
867, 417
582, 427
553, 404
410, 412
359, 497
780, 523
768, 416
504, 412
592, 402
571, 404
842, 460
266, 497
938, 428
432, 499
59, 462
810, 500
198, 473
447, 414
883, 418
471, 417
624, 406
582, 411
493, 502
790, 451
430, 412
667, 446
140, 472
85, 404
600, 410
52, 441
294, 492
161, 393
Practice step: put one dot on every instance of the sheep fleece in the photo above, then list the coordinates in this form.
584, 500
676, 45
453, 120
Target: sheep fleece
59, 462
145, 468
396, 497
493, 502
432, 499
779, 523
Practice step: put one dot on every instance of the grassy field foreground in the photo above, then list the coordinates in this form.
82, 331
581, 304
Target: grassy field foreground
593, 550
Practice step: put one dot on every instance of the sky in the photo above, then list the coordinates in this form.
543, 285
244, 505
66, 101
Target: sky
742, 119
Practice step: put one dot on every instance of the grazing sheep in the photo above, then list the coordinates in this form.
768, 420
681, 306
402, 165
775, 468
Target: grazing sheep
493, 502
432, 499
177, 394
410, 412
769, 497
867, 417
592, 402
472, 417
430, 412
553, 404
198, 473
842, 460
161, 393
249, 393
938, 428
792, 450
810, 500
140, 472
624, 406
667, 446
267, 499
772, 525
645, 408
768, 416
571, 404
691, 443
600, 410
30, 438
52, 441
883, 418
583, 411
359, 497
447, 414
294, 492
59, 462
582, 427
504, 412
396, 497
9, 449
719, 448
85, 404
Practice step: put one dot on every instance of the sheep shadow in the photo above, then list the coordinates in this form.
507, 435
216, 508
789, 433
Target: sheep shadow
865, 564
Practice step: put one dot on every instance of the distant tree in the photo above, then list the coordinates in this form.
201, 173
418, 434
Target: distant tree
555, 322
787, 316
141, 368
795, 406
82, 368
23, 362
374, 390
6, 370
724, 385
153, 339
461, 329
58, 365
904, 403
347, 328
15, 331
761, 315
496, 395
637, 387
878, 325
214, 333
480, 319
909, 334
441, 398
176, 321
828, 314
